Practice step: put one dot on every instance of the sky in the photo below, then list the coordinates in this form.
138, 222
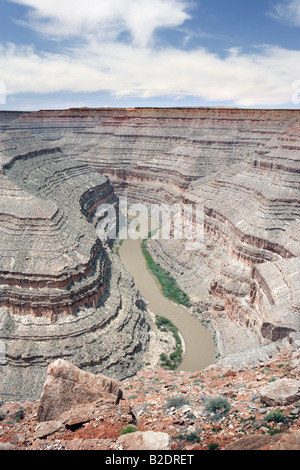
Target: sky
57, 54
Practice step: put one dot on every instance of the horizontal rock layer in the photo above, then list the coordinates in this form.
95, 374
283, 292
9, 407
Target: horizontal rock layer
62, 293
242, 166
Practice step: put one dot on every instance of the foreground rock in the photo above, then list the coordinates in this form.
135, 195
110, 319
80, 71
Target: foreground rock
282, 392
67, 387
148, 404
8, 447
46, 429
289, 441
148, 440
252, 442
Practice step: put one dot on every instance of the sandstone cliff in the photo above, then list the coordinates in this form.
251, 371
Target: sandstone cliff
241, 165
62, 293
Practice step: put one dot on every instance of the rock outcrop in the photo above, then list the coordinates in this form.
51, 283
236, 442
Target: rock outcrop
280, 393
217, 408
68, 387
148, 440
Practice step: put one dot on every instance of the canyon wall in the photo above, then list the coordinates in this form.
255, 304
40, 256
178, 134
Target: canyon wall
62, 292
242, 166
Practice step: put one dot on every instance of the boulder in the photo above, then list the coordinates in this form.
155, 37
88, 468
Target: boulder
294, 339
67, 386
282, 392
47, 428
148, 440
252, 442
8, 446
288, 441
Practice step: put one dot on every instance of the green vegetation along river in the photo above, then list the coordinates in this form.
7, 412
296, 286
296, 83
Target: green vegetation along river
199, 347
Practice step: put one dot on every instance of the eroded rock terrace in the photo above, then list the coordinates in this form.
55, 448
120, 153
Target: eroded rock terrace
62, 291
241, 165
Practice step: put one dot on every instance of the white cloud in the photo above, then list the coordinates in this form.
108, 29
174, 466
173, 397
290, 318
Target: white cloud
287, 12
264, 77
105, 18
137, 69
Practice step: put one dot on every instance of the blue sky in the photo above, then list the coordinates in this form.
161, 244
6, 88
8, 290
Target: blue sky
73, 53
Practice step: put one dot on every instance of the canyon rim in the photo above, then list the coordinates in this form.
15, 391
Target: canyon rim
65, 294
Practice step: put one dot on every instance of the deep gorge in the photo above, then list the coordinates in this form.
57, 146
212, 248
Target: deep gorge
64, 295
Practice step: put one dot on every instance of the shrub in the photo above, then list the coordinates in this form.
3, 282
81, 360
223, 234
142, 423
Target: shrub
177, 401
276, 415
217, 404
129, 429
273, 432
213, 446
272, 379
190, 437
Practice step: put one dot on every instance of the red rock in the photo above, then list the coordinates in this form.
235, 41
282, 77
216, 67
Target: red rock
145, 441
230, 374
67, 386
281, 392
217, 427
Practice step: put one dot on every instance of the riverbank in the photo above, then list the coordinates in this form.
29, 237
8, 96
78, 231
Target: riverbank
199, 345
167, 283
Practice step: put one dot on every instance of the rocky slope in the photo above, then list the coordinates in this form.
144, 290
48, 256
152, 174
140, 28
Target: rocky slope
254, 408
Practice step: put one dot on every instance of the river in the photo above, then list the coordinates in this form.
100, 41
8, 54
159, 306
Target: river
199, 347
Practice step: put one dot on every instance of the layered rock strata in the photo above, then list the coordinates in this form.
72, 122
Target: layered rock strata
62, 292
242, 166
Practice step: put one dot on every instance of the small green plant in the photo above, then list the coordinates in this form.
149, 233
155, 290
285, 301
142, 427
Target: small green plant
129, 429
168, 284
197, 381
175, 358
272, 379
133, 397
217, 405
213, 446
191, 437
272, 432
276, 415
177, 401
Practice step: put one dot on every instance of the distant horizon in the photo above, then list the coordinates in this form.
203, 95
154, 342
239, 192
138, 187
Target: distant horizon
146, 107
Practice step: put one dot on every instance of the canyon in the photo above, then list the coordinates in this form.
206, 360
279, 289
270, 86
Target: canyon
64, 294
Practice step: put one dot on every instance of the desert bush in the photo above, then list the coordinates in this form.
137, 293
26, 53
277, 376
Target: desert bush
177, 401
191, 437
275, 415
213, 446
217, 405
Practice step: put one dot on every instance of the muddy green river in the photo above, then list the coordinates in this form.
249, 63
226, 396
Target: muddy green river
199, 347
